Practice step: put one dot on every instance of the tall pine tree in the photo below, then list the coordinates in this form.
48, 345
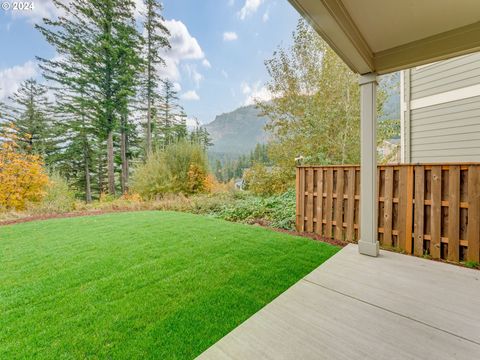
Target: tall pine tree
171, 121
155, 39
76, 95
30, 114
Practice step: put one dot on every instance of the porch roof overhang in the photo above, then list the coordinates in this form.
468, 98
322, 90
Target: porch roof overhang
382, 36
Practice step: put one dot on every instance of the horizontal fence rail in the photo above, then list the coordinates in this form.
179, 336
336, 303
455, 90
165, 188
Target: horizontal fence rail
428, 209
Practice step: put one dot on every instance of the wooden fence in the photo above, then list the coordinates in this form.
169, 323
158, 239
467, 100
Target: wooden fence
427, 209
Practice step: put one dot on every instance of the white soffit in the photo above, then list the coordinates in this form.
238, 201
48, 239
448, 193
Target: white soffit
389, 23
388, 35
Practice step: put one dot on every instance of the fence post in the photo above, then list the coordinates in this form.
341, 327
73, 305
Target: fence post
300, 185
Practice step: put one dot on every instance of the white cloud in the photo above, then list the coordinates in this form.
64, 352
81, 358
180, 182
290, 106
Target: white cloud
231, 2
255, 92
225, 74
11, 78
140, 8
191, 71
266, 16
230, 36
246, 89
183, 47
250, 8
177, 87
206, 63
190, 95
192, 123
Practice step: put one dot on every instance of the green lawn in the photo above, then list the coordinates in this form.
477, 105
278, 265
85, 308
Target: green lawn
138, 285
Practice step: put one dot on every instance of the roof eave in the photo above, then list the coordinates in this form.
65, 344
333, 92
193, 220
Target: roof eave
332, 21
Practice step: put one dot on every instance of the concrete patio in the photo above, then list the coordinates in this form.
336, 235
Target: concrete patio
359, 307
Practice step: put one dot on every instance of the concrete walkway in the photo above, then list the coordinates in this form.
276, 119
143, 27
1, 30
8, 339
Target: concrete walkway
356, 307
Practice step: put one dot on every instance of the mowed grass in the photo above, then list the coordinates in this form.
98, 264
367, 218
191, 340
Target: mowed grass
141, 285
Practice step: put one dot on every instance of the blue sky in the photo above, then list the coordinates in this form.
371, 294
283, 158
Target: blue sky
219, 47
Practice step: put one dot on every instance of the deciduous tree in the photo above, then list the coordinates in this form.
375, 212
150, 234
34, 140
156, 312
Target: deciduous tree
22, 176
315, 106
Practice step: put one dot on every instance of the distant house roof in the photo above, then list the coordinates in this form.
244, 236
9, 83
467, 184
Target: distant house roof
393, 141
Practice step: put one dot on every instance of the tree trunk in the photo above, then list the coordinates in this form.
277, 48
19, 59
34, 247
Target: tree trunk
88, 186
149, 127
110, 164
123, 154
86, 159
100, 175
149, 110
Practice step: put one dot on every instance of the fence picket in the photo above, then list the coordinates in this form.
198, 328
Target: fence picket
454, 213
409, 210
309, 210
319, 229
339, 205
350, 216
436, 212
388, 207
419, 210
329, 203
473, 229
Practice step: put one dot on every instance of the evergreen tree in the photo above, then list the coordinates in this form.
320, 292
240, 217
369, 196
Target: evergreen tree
201, 136
171, 122
30, 113
77, 157
155, 38
130, 67
3, 112
76, 96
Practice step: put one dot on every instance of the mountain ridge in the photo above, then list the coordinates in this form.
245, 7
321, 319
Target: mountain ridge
237, 132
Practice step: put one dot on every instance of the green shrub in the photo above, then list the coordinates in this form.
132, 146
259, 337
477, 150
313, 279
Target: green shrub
180, 168
263, 180
58, 198
276, 210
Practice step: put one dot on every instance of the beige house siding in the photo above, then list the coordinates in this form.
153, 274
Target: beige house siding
441, 111
445, 76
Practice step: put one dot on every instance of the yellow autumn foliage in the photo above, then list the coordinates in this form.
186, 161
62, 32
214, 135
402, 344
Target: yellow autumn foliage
22, 176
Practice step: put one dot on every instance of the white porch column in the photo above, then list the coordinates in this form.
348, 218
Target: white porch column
368, 244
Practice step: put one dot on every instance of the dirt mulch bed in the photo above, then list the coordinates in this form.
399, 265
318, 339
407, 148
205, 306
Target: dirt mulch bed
313, 237
62, 216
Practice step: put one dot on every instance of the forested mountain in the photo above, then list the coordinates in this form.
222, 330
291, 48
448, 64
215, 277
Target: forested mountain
237, 132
